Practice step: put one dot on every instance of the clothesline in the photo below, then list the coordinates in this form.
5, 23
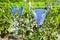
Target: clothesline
34, 6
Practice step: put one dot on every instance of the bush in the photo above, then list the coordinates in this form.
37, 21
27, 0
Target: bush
27, 24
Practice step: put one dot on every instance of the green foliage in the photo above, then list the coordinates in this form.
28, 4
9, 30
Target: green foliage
27, 24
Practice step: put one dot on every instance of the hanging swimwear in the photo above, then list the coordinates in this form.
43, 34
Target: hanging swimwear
13, 9
39, 15
20, 9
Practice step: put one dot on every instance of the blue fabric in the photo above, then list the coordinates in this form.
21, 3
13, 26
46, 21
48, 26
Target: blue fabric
20, 9
39, 15
13, 9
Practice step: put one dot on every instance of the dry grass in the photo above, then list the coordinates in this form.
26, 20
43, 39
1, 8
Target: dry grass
19, 37
58, 36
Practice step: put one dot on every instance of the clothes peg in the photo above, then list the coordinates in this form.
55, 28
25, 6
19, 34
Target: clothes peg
30, 6
48, 5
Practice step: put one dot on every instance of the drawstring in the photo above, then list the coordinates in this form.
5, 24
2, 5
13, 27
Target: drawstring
15, 23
